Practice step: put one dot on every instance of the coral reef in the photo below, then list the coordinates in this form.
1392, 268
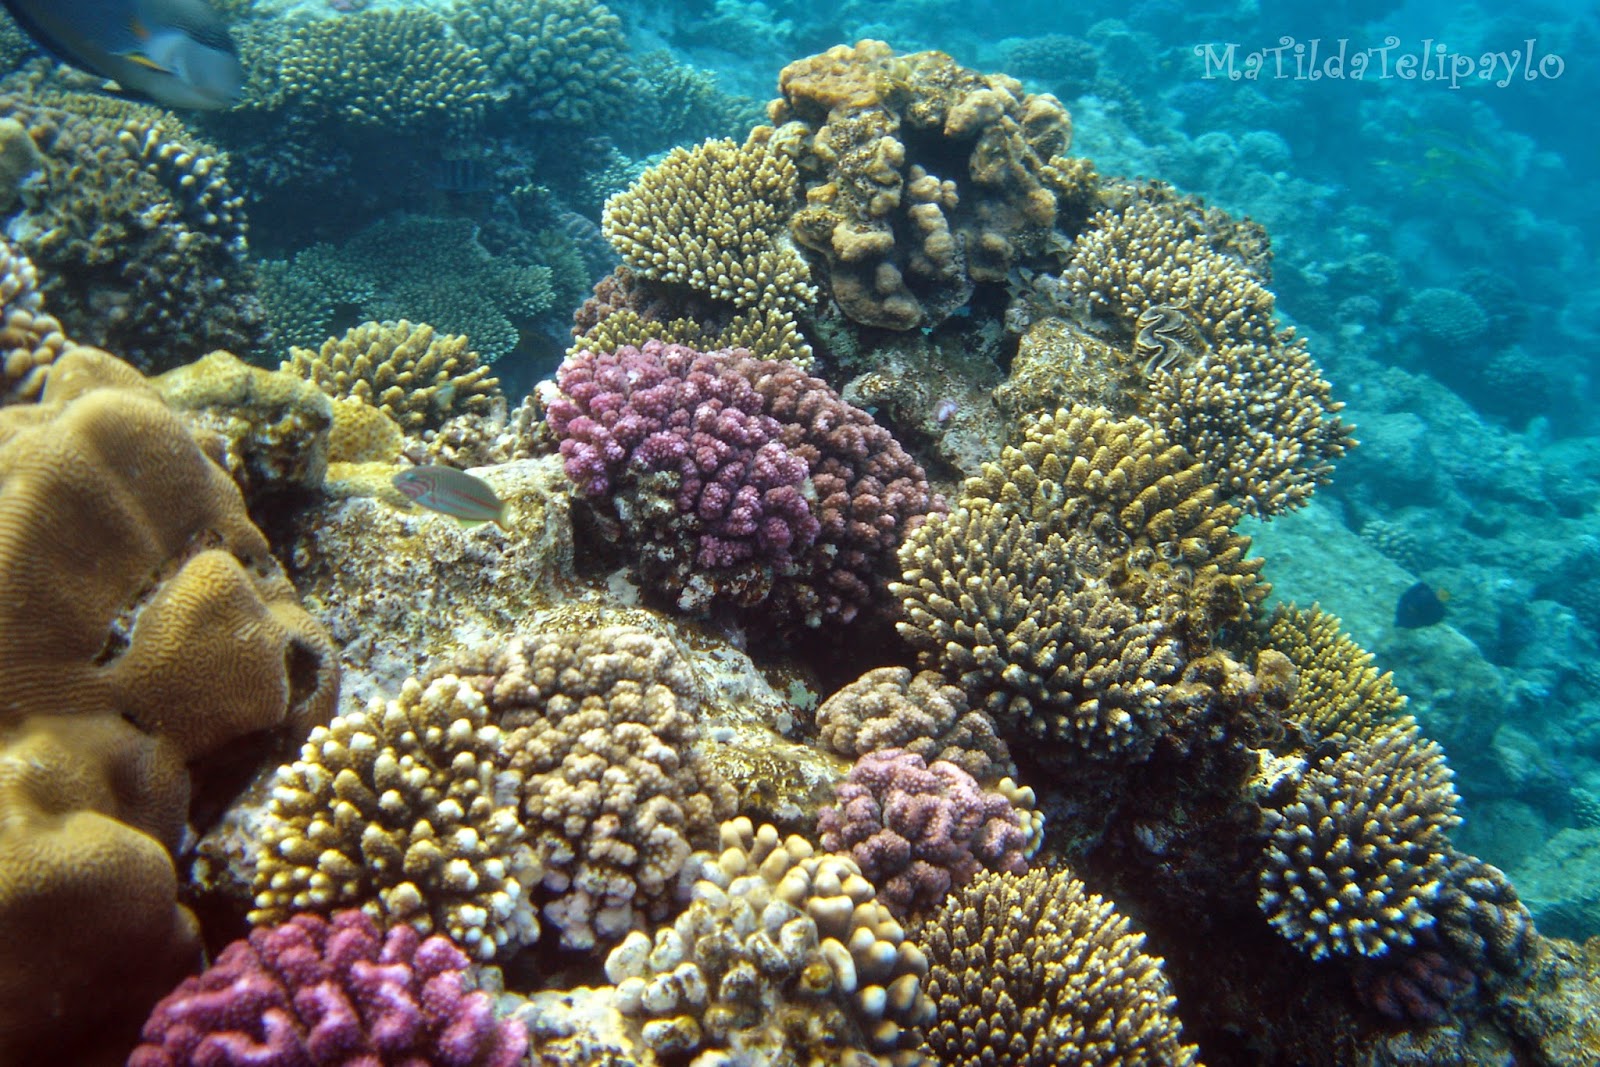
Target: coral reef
782, 954
560, 62
1034, 970
29, 339
918, 830
1338, 693
334, 991
410, 372
922, 178
889, 707
138, 691
709, 452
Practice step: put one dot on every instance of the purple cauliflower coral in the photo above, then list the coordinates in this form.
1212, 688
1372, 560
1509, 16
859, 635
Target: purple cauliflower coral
318, 992
918, 831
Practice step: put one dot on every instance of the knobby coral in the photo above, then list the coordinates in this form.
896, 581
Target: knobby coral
889, 707
29, 339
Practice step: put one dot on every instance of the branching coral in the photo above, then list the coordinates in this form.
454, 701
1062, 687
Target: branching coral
333, 992
599, 728
1338, 693
1033, 970
889, 707
782, 953
403, 810
563, 62
409, 372
922, 178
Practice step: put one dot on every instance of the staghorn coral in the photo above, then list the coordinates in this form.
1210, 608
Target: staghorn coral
406, 810
1033, 970
1186, 288
1338, 694
408, 371
712, 453
563, 62
331, 991
713, 219
889, 707
782, 954
922, 178
30, 340
392, 70
599, 727
918, 830
137, 691
139, 235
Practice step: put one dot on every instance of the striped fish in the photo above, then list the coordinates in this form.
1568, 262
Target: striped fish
468, 500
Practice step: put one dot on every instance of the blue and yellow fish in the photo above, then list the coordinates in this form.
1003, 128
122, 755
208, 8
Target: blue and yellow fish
467, 499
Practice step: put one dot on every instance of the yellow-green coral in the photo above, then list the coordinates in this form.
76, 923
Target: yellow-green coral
409, 372
1035, 971
561, 61
1337, 693
404, 810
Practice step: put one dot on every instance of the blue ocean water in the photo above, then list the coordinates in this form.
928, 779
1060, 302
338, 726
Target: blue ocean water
1430, 180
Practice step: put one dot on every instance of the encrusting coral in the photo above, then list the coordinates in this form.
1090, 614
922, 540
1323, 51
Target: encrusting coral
137, 691
336, 991
410, 372
1034, 971
782, 954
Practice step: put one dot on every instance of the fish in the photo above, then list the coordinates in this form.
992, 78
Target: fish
176, 53
1421, 605
467, 499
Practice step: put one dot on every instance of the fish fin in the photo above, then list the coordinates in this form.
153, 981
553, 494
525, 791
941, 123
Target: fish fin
472, 524
145, 61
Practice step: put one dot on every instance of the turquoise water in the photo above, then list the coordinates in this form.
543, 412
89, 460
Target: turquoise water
1429, 178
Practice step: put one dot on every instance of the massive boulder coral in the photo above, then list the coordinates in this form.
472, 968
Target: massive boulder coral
1033, 971
741, 481
922, 178
783, 955
136, 690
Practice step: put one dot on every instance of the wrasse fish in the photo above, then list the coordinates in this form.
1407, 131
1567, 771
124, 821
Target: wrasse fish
467, 499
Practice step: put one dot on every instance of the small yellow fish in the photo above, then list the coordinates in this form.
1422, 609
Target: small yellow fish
467, 499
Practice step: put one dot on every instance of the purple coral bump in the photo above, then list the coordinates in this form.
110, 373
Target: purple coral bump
316, 992
918, 831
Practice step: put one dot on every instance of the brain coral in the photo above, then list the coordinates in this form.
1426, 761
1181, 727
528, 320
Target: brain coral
781, 950
331, 992
563, 62
1034, 971
600, 728
132, 688
922, 178
138, 231
743, 481
410, 372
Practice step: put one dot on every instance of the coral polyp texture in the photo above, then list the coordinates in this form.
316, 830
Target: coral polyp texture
1033, 971
1074, 581
890, 707
409, 371
741, 481
713, 220
404, 810
558, 62
922, 178
599, 729
1338, 693
782, 954
918, 830
138, 690
331, 991
30, 340
1186, 290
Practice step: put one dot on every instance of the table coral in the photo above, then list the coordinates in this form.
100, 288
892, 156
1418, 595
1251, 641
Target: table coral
1033, 970
889, 707
563, 62
126, 682
919, 830
922, 178
405, 810
410, 372
783, 955
600, 728
333, 991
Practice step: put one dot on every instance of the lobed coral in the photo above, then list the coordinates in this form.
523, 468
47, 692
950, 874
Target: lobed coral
408, 371
563, 62
889, 707
405, 810
138, 691
922, 178
599, 727
331, 991
782, 954
1033, 970
742, 480
918, 830
30, 340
